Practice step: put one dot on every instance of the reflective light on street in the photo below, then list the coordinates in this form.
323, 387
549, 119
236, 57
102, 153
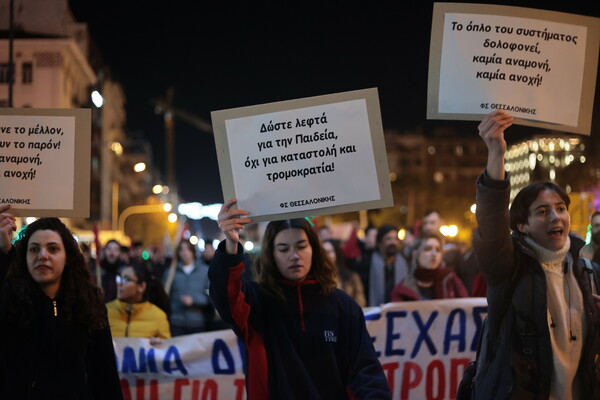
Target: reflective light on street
97, 99
172, 218
139, 167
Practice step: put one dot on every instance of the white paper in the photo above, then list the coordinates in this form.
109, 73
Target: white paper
303, 159
37, 161
529, 67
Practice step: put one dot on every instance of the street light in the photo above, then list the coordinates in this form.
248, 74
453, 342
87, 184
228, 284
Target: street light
139, 167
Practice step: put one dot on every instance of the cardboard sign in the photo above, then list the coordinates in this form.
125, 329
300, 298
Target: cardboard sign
539, 66
45, 161
305, 157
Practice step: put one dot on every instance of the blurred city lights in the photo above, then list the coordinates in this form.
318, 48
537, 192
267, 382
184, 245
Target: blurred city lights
172, 218
167, 207
193, 240
199, 211
449, 230
157, 189
402, 234
97, 99
116, 148
248, 246
139, 167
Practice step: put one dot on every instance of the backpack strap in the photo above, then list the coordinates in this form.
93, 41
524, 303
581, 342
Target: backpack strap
592, 269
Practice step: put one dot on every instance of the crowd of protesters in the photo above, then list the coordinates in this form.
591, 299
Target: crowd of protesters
64, 306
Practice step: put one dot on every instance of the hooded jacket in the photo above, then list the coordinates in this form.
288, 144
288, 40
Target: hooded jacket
516, 354
310, 346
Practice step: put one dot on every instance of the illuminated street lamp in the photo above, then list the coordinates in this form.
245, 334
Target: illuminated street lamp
97, 99
139, 167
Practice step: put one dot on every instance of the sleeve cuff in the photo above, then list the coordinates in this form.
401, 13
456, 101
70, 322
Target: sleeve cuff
491, 183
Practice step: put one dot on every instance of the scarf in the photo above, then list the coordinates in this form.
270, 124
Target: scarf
437, 276
377, 276
565, 316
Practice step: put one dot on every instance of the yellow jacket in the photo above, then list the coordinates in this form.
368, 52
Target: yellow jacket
137, 320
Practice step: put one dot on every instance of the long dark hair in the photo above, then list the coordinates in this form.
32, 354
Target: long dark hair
189, 245
322, 269
81, 299
155, 292
343, 272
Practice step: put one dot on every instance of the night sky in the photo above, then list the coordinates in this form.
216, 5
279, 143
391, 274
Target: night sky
245, 55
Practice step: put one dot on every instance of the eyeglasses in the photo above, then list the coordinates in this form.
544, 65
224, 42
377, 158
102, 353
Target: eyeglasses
125, 280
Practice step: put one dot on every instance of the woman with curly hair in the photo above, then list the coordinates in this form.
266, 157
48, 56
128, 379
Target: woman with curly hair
304, 337
55, 341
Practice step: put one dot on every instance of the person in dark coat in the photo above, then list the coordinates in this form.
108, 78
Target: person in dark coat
55, 341
542, 334
304, 339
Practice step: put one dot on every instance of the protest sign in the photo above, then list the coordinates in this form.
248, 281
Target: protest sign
304, 157
538, 65
423, 347
45, 161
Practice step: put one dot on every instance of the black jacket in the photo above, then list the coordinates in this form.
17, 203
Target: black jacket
53, 358
516, 355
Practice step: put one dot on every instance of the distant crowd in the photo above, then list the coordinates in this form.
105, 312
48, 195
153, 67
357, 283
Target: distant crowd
157, 296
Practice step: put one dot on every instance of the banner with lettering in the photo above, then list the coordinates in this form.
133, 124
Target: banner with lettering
423, 346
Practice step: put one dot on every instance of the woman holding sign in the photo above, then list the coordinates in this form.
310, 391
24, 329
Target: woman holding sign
55, 342
304, 338
542, 335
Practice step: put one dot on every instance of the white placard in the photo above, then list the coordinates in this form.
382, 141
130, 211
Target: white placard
538, 65
512, 63
303, 157
44, 161
37, 157
328, 163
